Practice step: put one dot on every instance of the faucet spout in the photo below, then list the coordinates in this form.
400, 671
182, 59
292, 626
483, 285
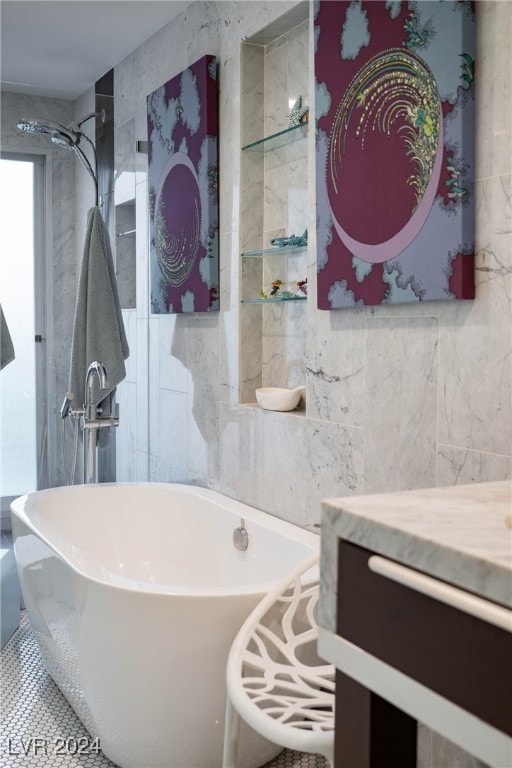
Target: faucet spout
101, 372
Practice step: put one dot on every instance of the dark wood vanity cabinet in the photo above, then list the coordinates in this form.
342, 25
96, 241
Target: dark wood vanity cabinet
426, 653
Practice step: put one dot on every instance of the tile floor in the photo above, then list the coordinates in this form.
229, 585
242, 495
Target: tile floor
32, 706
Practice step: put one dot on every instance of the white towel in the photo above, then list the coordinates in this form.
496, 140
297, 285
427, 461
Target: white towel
98, 331
6, 345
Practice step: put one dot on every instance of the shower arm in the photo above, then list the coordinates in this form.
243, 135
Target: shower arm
93, 172
100, 115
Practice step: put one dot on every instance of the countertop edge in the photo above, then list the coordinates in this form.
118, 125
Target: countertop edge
476, 574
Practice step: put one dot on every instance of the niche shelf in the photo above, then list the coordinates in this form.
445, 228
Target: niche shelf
125, 250
274, 251
273, 203
299, 412
276, 300
278, 140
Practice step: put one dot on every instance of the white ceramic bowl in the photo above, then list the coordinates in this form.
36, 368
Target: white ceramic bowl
278, 398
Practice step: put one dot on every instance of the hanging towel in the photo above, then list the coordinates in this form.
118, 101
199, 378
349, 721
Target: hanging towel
6, 346
98, 331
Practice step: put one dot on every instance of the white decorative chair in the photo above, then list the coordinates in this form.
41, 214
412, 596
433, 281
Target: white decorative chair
275, 680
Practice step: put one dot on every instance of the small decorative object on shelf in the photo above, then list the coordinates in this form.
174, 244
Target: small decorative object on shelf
277, 291
299, 114
274, 291
279, 398
293, 240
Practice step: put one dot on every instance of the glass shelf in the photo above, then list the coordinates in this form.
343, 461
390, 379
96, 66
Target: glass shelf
277, 140
274, 250
273, 301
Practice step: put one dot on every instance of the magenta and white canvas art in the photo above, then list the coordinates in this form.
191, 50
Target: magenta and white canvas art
183, 191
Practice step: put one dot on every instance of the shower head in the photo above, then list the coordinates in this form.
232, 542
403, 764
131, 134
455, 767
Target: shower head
59, 134
68, 138
34, 125
40, 126
63, 140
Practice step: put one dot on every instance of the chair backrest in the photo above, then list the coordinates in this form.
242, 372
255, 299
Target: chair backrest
275, 678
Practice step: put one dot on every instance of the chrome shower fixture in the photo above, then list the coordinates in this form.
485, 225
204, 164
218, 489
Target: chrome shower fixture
39, 126
69, 137
100, 115
63, 140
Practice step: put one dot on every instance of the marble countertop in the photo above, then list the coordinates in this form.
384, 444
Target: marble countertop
461, 534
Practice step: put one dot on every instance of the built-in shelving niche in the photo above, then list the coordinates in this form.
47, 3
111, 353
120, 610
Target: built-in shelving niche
273, 203
125, 253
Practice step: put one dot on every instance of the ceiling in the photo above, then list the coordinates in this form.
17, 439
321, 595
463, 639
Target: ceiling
59, 48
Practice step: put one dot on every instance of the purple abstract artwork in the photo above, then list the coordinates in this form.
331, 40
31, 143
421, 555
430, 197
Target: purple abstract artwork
394, 151
183, 191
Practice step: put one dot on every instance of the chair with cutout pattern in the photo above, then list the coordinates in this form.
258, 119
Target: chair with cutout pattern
275, 680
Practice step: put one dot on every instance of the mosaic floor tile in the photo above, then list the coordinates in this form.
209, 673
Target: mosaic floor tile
38, 728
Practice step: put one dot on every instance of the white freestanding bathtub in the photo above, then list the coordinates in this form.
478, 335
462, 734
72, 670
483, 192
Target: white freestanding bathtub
135, 592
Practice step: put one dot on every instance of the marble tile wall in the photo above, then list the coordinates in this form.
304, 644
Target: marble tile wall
84, 196
61, 266
397, 396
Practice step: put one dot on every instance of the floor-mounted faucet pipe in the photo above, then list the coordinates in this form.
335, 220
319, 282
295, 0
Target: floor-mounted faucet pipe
90, 421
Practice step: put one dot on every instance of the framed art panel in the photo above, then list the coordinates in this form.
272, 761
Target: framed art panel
183, 191
394, 151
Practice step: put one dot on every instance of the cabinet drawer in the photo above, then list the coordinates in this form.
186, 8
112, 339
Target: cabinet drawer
462, 658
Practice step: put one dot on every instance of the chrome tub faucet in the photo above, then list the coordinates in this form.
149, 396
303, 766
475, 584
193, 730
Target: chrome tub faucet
91, 420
